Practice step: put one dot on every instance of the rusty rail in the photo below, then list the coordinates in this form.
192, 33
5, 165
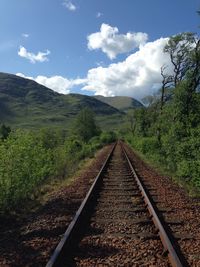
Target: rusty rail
72, 234
172, 254
65, 246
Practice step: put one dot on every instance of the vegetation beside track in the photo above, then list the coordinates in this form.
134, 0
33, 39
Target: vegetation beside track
30, 159
167, 130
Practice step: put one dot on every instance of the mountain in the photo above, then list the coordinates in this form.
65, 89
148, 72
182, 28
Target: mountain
122, 103
25, 103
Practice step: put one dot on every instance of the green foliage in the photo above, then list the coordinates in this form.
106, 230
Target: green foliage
180, 48
108, 137
170, 137
85, 127
4, 131
188, 155
24, 164
28, 159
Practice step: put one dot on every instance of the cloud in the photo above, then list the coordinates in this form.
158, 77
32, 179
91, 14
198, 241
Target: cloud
56, 83
137, 76
25, 35
33, 58
69, 5
99, 14
112, 43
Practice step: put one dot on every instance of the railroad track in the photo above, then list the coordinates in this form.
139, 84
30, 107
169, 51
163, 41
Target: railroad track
118, 223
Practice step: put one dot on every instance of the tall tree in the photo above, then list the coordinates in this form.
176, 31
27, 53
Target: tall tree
184, 51
166, 83
85, 126
179, 48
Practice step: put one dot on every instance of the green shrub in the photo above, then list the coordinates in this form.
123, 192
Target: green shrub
24, 164
179, 155
27, 159
108, 137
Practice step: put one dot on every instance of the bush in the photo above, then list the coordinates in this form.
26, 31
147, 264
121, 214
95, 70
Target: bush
24, 164
180, 155
108, 137
28, 159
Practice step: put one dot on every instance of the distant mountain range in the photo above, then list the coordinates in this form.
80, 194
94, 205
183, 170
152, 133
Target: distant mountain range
27, 104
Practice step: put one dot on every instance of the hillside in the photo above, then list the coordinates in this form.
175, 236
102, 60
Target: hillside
25, 103
122, 103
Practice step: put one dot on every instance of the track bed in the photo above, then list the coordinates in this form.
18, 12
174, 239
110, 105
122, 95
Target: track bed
120, 231
119, 223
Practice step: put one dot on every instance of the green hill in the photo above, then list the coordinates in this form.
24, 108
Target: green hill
25, 103
122, 103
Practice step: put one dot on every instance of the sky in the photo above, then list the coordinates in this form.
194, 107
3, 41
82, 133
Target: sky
101, 47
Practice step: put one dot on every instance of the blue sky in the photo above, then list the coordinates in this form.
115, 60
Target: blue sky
109, 47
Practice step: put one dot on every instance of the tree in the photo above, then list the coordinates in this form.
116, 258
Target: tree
168, 129
85, 126
194, 68
130, 117
166, 83
143, 122
184, 51
179, 48
4, 131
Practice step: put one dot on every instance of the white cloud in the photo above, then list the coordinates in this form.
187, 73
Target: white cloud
69, 5
99, 14
112, 43
25, 35
57, 83
137, 76
39, 57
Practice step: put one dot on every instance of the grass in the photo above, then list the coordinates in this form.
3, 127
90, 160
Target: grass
122, 103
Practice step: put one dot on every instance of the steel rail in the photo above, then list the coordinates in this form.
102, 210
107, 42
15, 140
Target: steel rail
172, 254
63, 251
65, 246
